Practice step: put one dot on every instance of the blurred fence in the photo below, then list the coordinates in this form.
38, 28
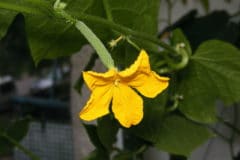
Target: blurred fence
50, 141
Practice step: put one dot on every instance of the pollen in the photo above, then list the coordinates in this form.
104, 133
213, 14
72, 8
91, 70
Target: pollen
116, 82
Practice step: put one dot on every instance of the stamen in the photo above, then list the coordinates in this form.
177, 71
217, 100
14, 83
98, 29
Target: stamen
116, 82
113, 43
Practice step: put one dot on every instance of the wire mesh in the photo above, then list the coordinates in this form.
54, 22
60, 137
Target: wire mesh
51, 141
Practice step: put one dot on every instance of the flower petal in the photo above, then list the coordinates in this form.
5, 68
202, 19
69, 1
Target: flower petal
94, 79
140, 76
98, 104
127, 106
140, 65
149, 85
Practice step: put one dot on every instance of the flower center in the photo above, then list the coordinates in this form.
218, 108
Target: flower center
116, 82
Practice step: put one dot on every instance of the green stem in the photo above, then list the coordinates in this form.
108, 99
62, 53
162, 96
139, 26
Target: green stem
174, 66
19, 8
44, 6
39, 7
165, 70
160, 63
182, 63
124, 30
141, 149
133, 44
19, 146
176, 100
107, 10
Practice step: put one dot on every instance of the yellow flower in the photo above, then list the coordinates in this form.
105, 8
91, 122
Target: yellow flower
117, 87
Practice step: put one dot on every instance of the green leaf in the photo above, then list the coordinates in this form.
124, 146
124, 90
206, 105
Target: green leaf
212, 74
48, 37
97, 155
5, 121
104, 135
189, 135
130, 153
138, 15
154, 110
17, 131
107, 129
51, 38
5, 20
14, 45
5, 146
173, 133
93, 135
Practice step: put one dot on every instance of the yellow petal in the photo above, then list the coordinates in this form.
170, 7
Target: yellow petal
127, 106
149, 85
98, 104
94, 79
140, 65
140, 76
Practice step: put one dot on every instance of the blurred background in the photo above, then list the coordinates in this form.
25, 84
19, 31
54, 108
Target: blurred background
42, 105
